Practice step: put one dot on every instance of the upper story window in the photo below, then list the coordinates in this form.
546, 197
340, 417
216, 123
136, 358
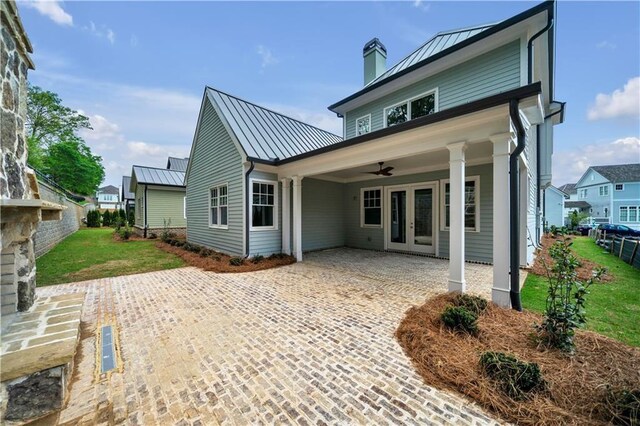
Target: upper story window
619, 186
218, 206
363, 125
371, 207
629, 213
264, 201
603, 190
583, 193
471, 204
419, 106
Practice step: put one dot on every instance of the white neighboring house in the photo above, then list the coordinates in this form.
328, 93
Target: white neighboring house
108, 197
554, 207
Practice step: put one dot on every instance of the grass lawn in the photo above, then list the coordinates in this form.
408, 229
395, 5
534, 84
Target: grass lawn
613, 308
92, 253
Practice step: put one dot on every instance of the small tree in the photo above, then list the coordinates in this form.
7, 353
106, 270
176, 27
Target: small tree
575, 218
93, 219
106, 218
131, 219
565, 299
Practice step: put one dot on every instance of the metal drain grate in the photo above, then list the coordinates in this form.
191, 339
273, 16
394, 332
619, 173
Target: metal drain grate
108, 359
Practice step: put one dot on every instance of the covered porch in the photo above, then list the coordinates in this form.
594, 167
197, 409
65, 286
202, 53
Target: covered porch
448, 195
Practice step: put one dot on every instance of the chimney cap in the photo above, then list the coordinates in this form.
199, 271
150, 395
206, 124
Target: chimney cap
373, 44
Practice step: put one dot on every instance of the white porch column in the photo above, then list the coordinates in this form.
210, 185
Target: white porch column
501, 149
297, 217
286, 216
456, 216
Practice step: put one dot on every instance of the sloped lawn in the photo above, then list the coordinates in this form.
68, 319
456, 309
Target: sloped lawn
93, 253
613, 307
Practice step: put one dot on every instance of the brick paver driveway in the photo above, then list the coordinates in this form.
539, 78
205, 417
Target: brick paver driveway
310, 343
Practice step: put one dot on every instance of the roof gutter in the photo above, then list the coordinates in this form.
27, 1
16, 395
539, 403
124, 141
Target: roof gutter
145, 211
247, 225
514, 204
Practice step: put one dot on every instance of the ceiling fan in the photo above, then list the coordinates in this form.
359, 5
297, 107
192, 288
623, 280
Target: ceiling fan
382, 172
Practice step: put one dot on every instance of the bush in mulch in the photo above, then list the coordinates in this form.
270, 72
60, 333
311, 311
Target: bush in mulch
460, 318
472, 303
516, 378
585, 388
626, 406
210, 260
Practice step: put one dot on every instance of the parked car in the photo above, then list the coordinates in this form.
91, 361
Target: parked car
584, 228
621, 230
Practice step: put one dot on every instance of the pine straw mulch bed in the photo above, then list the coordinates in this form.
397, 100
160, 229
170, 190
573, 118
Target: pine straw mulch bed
219, 262
576, 387
584, 272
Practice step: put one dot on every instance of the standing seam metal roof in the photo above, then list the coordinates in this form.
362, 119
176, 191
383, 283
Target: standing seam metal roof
441, 41
154, 176
266, 134
179, 164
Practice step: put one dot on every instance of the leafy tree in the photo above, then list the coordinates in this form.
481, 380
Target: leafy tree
72, 165
106, 218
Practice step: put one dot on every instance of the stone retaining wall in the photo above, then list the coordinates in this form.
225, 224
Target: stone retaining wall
50, 233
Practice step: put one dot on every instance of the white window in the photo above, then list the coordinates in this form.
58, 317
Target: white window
371, 207
363, 125
603, 190
218, 206
471, 204
619, 186
264, 202
583, 193
629, 213
419, 106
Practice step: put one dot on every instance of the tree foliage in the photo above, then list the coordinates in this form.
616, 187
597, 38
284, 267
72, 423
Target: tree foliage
54, 146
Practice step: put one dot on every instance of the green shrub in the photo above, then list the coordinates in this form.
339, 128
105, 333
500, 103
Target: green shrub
205, 252
236, 261
93, 219
514, 377
257, 258
125, 232
625, 406
566, 296
131, 217
106, 218
474, 304
278, 256
460, 318
166, 230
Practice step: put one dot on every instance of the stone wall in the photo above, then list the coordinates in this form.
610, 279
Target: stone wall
50, 233
18, 223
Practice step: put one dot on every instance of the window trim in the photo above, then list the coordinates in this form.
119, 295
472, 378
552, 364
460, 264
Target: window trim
443, 217
628, 207
408, 101
184, 207
218, 226
583, 193
276, 189
603, 190
615, 187
360, 118
361, 201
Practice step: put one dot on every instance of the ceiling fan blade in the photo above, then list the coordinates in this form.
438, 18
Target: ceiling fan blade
387, 173
373, 173
386, 169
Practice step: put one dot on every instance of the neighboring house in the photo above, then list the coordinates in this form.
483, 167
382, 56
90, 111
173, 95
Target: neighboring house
612, 194
128, 198
108, 198
554, 200
159, 200
179, 164
423, 166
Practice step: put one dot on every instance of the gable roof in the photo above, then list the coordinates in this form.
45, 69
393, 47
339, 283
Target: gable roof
109, 189
155, 176
265, 134
568, 188
126, 188
179, 164
447, 45
558, 191
441, 41
619, 172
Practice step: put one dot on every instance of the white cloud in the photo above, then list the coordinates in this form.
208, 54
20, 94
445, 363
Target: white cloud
51, 9
620, 103
569, 165
111, 36
420, 5
101, 31
323, 120
604, 44
266, 56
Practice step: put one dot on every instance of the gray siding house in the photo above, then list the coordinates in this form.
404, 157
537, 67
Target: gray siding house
423, 165
554, 207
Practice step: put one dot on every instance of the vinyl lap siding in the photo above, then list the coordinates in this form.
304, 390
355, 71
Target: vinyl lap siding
215, 160
323, 214
165, 204
489, 74
139, 206
266, 242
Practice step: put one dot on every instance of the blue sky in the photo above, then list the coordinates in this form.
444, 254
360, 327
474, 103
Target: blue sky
138, 69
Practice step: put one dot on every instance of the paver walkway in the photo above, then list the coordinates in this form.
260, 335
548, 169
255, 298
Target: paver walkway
310, 343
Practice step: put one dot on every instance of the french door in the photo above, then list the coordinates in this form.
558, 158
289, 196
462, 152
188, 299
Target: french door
411, 218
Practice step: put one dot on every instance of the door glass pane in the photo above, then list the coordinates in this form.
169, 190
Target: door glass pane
423, 230
399, 217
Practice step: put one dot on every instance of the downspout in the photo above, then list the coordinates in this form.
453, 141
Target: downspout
514, 204
146, 224
246, 208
